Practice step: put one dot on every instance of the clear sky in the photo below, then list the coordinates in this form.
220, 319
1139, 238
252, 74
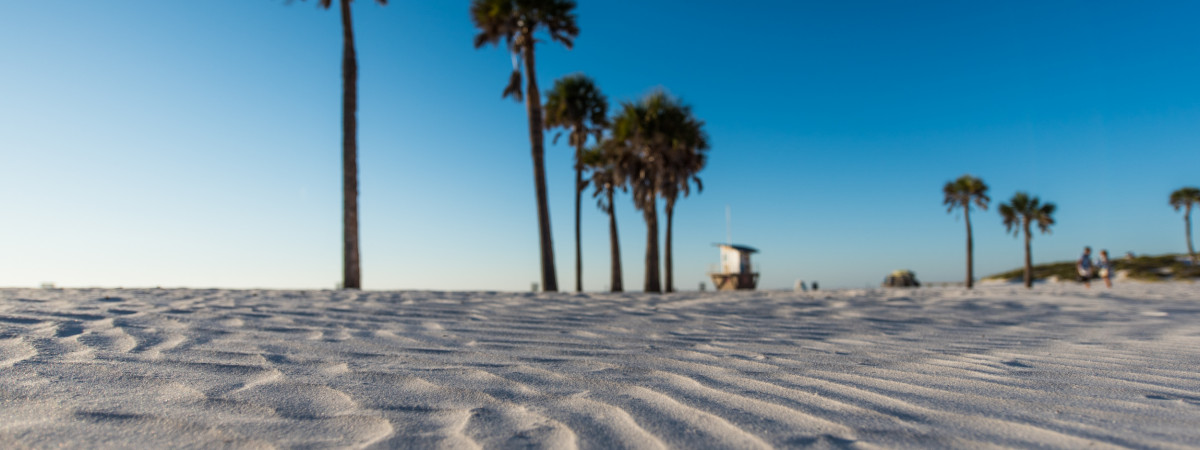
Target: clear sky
197, 143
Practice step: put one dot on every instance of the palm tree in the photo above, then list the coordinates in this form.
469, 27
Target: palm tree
575, 103
961, 193
1184, 198
351, 270
1024, 211
515, 22
633, 133
606, 176
647, 135
684, 157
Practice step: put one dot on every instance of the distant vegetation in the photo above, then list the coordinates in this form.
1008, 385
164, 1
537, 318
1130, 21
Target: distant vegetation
1142, 268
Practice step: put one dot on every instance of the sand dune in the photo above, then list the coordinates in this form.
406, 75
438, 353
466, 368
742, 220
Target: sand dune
1059, 366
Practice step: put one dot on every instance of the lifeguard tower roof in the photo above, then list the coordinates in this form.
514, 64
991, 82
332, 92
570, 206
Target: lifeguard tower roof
740, 248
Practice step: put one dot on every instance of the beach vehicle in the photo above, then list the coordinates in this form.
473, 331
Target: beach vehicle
735, 271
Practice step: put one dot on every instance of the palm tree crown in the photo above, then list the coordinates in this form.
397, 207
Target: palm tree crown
605, 174
630, 142
1023, 210
684, 153
962, 193
577, 104
515, 22
1185, 197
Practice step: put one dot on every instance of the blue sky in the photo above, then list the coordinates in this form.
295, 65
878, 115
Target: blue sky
151, 143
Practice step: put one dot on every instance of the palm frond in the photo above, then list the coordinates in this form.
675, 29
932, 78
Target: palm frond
1185, 197
1045, 217
516, 21
1010, 217
664, 145
575, 102
514, 87
964, 192
493, 18
1025, 210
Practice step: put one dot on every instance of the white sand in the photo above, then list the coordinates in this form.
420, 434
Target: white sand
1059, 367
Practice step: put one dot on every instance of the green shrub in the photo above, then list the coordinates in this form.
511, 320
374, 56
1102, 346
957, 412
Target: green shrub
1144, 268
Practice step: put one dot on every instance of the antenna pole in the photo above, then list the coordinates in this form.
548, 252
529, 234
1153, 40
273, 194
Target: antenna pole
728, 226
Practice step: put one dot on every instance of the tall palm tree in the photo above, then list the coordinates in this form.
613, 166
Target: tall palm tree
646, 135
684, 157
962, 193
1184, 198
606, 176
577, 104
633, 138
1023, 211
515, 22
351, 269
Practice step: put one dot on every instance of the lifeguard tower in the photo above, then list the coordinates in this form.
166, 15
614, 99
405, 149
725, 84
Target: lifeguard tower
735, 271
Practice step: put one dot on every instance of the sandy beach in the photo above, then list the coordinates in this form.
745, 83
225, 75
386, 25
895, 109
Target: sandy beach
1059, 366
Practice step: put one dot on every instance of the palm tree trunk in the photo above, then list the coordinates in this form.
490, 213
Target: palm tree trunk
970, 248
617, 282
351, 278
1028, 258
669, 269
1187, 224
533, 105
578, 200
652, 281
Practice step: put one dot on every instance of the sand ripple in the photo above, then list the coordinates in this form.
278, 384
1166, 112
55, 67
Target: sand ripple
1059, 367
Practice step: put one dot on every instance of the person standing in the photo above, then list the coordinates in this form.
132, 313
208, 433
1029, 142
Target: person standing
1106, 268
1084, 267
